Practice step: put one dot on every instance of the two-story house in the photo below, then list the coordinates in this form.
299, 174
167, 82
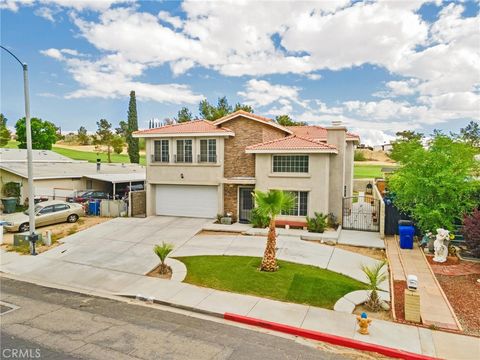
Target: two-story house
203, 168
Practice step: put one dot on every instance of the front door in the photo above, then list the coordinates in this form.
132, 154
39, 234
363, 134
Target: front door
245, 204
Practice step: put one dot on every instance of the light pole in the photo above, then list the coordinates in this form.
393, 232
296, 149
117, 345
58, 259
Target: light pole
31, 201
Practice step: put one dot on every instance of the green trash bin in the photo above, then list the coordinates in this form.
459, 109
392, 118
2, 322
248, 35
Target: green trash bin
9, 205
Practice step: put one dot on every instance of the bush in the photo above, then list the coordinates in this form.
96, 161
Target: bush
162, 251
359, 156
318, 223
258, 220
11, 189
332, 221
471, 232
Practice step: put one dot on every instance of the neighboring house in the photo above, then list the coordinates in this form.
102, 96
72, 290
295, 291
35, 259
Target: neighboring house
57, 176
202, 168
387, 148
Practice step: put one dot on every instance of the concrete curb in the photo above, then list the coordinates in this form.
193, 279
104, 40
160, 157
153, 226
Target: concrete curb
332, 339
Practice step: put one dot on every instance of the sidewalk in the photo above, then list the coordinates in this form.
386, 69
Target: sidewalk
434, 307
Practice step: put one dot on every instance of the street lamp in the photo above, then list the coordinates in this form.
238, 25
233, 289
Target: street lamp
31, 201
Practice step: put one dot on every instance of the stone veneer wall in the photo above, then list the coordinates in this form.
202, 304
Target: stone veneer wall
230, 192
247, 132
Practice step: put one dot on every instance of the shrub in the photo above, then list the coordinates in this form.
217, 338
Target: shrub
72, 230
375, 277
332, 221
258, 220
318, 223
11, 189
359, 156
471, 232
162, 252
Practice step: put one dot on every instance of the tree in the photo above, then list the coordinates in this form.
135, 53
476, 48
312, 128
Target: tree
122, 129
82, 136
286, 120
44, 134
133, 151
270, 204
117, 144
407, 141
184, 115
435, 185
471, 134
210, 112
105, 136
471, 232
243, 107
4, 132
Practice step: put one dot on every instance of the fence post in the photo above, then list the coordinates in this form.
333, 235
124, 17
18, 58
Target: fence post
129, 205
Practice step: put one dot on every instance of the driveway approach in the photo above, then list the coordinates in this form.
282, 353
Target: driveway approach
107, 256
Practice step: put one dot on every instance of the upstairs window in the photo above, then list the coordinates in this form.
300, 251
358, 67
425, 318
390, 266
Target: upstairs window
161, 151
290, 163
300, 207
208, 151
184, 151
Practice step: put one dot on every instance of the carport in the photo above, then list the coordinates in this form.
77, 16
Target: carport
117, 180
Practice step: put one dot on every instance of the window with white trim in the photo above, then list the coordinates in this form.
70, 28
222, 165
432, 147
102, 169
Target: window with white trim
300, 207
184, 151
290, 164
161, 150
208, 151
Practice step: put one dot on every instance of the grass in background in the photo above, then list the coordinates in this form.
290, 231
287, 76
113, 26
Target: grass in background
361, 171
302, 284
12, 144
91, 156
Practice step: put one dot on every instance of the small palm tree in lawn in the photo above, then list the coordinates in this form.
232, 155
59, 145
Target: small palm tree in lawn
162, 252
271, 204
375, 276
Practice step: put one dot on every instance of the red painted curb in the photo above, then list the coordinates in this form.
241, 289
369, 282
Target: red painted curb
332, 339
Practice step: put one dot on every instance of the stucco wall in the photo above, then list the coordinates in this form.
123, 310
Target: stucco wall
349, 157
316, 182
337, 136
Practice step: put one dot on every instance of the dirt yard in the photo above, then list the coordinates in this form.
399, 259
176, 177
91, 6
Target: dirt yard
59, 231
375, 156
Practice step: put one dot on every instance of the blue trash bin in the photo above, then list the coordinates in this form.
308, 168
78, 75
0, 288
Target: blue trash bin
406, 230
94, 208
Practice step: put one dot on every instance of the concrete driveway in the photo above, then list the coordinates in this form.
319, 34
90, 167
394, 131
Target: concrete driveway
105, 255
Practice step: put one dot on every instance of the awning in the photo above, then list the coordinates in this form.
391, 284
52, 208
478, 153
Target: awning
118, 178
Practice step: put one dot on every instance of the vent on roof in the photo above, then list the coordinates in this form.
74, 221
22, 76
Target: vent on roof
337, 123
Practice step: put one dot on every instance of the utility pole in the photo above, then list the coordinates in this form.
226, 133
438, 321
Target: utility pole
31, 201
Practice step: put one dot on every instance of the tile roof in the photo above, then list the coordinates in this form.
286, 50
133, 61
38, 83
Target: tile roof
293, 142
190, 127
315, 132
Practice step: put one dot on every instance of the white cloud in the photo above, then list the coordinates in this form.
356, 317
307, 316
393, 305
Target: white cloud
81, 5
14, 5
46, 12
262, 93
175, 21
113, 77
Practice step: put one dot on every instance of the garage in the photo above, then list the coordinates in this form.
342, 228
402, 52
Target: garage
187, 200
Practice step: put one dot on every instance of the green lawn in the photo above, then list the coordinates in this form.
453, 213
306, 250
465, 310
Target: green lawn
302, 284
93, 156
367, 171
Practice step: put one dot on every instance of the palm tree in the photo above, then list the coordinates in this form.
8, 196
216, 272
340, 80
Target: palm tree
271, 204
162, 252
375, 277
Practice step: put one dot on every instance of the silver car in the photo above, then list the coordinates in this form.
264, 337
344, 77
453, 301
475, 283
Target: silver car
46, 213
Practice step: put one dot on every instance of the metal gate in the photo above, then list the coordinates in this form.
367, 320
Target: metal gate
361, 213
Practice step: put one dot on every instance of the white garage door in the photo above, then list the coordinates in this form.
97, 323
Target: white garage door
184, 200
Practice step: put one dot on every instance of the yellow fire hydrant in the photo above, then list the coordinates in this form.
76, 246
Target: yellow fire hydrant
363, 323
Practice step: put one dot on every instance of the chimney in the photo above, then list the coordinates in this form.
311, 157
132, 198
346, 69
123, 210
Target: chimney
337, 136
99, 163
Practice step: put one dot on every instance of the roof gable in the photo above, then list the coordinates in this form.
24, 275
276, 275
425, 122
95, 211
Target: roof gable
253, 117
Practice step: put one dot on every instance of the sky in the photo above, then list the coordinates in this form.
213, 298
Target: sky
379, 67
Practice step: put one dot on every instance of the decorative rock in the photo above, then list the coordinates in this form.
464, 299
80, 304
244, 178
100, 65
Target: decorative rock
343, 305
385, 306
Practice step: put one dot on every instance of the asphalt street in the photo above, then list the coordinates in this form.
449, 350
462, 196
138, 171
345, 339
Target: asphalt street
57, 324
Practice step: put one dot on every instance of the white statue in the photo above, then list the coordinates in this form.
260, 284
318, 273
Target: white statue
440, 245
